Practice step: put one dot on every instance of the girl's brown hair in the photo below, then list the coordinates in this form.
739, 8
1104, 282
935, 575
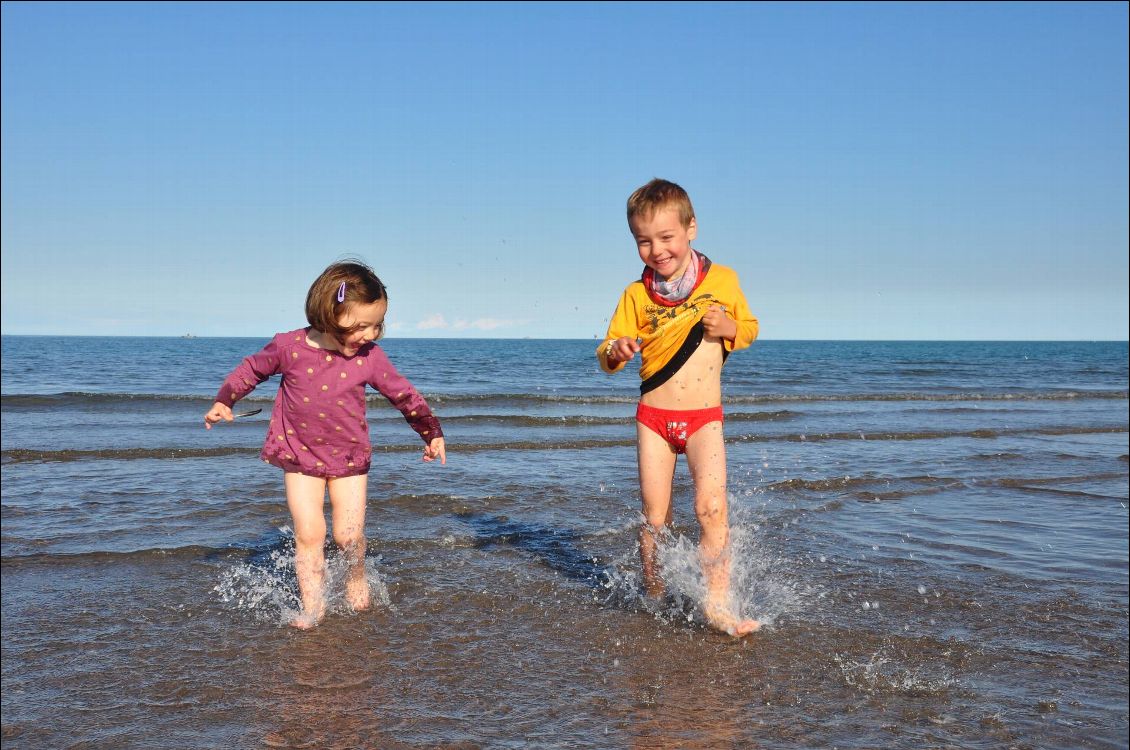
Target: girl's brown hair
344, 283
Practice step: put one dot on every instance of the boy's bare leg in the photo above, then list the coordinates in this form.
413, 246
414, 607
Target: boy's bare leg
657, 469
347, 496
706, 457
305, 497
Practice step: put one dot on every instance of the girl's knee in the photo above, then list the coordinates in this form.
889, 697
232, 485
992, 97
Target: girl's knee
310, 539
350, 540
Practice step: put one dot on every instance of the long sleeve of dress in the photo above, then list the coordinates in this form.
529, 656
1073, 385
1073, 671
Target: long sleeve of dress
403, 396
252, 371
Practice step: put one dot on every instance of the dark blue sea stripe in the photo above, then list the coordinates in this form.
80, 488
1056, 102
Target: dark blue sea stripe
136, 400
126, 454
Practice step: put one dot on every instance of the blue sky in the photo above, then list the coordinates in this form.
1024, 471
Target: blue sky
872, 171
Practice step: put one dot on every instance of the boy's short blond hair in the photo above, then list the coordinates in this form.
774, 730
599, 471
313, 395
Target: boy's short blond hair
659, 194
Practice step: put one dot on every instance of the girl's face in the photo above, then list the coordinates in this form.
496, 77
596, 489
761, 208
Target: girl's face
366, 322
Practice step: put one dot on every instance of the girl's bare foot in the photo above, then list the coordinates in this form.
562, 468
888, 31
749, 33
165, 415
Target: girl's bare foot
307, 620
357, 594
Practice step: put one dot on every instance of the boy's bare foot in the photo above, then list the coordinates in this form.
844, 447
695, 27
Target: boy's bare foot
721, 619
357, 594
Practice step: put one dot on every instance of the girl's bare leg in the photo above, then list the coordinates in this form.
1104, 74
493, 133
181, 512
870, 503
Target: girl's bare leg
706, 457
347, 496
656, 468
305, 497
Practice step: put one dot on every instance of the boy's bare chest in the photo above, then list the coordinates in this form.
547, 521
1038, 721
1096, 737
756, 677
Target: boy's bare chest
697, 384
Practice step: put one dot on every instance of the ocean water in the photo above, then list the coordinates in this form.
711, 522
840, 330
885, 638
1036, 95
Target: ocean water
935, 535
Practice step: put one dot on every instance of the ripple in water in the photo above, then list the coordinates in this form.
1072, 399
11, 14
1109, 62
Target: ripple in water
267, 587
886, 671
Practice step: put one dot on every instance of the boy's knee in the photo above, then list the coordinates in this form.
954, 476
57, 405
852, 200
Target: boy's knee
711, 508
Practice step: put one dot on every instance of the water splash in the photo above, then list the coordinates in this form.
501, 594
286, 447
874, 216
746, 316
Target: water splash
884, 671
266, 587
763, 585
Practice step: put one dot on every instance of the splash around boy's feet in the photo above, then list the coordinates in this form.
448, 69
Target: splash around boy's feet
718, 617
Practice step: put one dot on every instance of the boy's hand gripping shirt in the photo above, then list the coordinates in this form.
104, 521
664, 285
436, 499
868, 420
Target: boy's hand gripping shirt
669, 333
318, 425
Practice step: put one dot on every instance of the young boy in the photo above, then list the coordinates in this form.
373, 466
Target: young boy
684, 316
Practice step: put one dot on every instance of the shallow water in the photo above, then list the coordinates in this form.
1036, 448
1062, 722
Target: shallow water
935, 535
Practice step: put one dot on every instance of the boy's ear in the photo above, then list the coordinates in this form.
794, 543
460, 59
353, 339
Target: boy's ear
692, 229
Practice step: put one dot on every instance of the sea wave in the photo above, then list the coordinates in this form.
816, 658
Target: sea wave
22, 455
83, 398
984, 433
187, 552
517, 420
25, 455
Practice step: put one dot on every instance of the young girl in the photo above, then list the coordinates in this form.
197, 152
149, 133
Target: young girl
318, 434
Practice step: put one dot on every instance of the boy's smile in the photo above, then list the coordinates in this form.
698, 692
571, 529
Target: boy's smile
663, 242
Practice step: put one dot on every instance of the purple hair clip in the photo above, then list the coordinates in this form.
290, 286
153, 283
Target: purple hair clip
341, 292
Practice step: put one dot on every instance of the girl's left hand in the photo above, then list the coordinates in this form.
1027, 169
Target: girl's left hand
436, 449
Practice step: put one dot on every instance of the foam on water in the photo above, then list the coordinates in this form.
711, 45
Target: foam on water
267, 588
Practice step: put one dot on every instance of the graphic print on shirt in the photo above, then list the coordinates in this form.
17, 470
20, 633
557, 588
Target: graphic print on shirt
659, 316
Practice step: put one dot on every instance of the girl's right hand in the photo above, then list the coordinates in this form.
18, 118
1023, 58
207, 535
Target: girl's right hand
216, 413
622, 349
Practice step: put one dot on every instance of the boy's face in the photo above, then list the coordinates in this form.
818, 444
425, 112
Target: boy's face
664, 243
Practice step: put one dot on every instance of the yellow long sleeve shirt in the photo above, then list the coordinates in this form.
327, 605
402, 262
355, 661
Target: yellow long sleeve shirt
669, 334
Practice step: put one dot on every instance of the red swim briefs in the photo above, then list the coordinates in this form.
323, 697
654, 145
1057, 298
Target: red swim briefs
676, 425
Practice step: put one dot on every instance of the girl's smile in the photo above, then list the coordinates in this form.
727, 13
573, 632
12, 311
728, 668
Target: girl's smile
365, 323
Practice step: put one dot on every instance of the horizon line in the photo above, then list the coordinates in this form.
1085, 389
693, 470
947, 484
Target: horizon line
573, 338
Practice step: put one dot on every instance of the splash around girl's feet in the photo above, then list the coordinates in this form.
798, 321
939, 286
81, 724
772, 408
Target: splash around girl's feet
308, 620
357, 594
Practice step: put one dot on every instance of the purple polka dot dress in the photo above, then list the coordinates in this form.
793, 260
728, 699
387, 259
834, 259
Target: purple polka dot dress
318, 424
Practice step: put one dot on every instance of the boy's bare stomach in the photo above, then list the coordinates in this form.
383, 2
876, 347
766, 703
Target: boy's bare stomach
697, 384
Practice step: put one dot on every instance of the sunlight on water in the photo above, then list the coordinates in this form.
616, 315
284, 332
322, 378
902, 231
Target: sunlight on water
267, 587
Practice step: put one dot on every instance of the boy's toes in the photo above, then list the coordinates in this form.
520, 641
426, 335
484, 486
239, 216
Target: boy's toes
745, 627
721, 620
